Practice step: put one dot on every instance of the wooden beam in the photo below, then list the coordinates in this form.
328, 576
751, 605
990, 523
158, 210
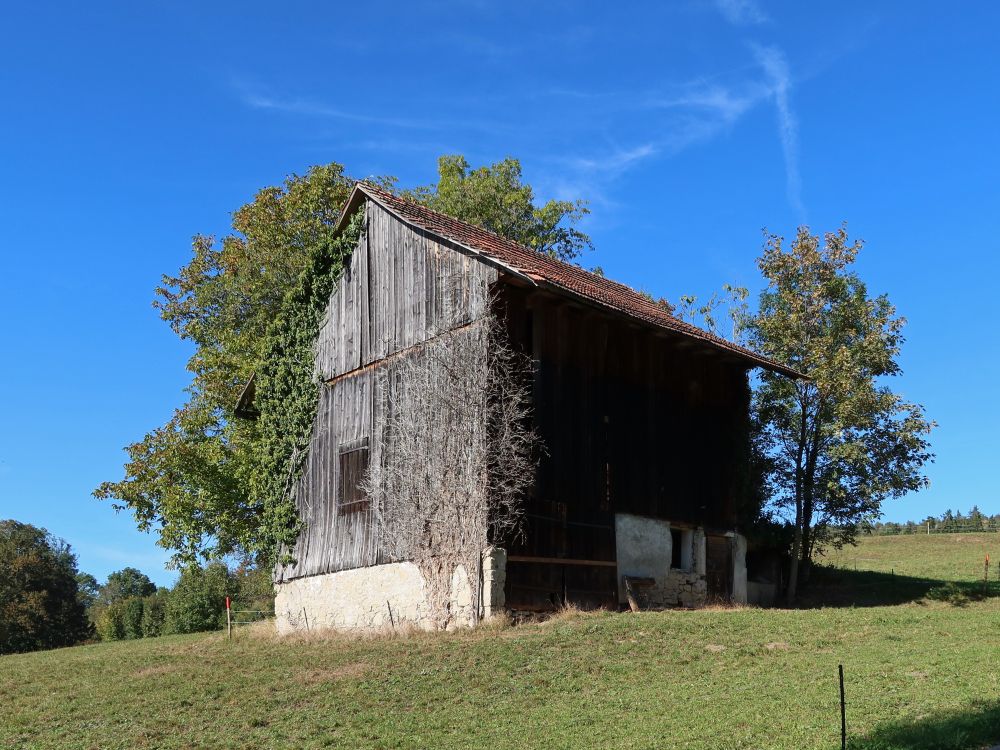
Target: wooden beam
562, 561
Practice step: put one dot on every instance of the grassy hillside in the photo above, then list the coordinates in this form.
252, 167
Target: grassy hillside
949, 557
920, 674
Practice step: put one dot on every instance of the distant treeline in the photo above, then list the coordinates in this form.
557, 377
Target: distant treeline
46, 602
130, 606
954, 522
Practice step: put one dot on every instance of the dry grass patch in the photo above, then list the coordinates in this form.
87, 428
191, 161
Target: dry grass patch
156, 671
321, 676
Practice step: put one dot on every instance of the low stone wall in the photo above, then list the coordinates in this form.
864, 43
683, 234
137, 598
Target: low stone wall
681, 588
645, 551
382, 597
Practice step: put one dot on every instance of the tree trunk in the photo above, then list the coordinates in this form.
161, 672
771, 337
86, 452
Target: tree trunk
808, 506
793, 573
807, 513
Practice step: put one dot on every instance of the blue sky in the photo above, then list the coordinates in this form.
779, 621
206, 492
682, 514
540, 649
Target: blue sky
690, 126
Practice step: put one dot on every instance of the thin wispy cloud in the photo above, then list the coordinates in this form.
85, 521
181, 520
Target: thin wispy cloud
682, 116
317, 109
741, 12
615, 161
259, 99
727, 104
775, 66
604, 134
591, 175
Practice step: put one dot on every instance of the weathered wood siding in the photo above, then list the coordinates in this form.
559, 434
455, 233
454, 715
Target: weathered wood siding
400, 287
330, 541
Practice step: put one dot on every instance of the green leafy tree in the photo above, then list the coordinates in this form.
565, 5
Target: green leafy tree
87, 589
189, 478
109, 622
121, 620
254, 589
154, 611
496, 198
197, 480
198, 600
125, 584
840, 442
732, 300
40, 605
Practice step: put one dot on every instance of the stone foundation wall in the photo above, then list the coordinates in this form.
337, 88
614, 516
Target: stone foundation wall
645, 550
683, 588
382, 597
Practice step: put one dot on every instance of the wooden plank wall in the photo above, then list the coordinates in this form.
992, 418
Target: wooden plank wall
400, 287
632, 422
330, 541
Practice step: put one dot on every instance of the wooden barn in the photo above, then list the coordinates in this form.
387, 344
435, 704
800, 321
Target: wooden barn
644, 421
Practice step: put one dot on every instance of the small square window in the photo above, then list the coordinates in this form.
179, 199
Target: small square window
351, 498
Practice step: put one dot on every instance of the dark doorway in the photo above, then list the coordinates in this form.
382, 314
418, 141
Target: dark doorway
719, 566
566, 555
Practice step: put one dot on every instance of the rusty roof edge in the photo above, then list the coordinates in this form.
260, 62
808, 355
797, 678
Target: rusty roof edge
485, 257
714, 342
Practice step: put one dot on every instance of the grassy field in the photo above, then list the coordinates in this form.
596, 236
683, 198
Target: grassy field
920, 674
950, 557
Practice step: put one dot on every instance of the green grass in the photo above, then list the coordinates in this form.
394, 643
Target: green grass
920, 674
945, 557
886, 570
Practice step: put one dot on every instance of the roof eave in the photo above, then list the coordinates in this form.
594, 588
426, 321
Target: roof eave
745, 356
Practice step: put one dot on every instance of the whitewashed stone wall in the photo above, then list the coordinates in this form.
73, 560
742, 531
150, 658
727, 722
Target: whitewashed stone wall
381, 597
740, 595
684, 588
645, 551
494, 581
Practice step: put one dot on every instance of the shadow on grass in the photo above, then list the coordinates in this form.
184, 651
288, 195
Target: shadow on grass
976, 728
838, 587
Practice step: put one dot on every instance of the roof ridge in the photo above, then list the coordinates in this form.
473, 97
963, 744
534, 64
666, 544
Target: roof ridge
502, 238
428, 209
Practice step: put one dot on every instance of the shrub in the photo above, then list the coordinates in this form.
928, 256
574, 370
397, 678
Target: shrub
198, 600
121, 620
254, 590
154, 610
110, 623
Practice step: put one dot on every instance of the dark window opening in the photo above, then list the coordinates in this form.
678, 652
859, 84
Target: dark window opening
676, 544
351, 497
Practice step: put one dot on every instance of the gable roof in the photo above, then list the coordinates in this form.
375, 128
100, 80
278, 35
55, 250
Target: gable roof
543, 270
